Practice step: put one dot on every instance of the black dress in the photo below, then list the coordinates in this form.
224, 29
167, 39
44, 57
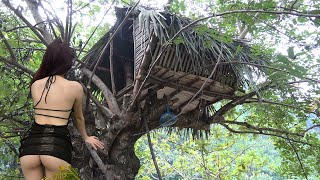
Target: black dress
47, 139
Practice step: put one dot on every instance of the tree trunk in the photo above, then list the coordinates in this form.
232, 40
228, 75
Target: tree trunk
126, 163
121, 134
34, 9
120, 161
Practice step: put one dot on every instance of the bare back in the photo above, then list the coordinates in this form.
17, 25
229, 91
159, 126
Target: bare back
61, 96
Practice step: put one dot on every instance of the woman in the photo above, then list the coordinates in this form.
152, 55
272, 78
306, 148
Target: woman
46, 145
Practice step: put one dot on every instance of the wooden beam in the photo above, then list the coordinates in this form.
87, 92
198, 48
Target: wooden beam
113, 85
187, 84
156, 80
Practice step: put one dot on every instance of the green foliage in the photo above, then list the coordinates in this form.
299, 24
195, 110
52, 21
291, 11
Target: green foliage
222, 155
65, 173
15, 104
284, 47
14, 113
309, 156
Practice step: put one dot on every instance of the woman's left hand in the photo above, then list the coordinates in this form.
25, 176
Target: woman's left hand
94, 142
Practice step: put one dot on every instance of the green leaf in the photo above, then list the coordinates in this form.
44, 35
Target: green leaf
239, 49
291, 25
283, 59
315, 12
317, 22
291, 53
178, 40
294, 21
182, 6
302, 19
296, 73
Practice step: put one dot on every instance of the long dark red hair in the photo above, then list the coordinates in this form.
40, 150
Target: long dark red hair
57, 60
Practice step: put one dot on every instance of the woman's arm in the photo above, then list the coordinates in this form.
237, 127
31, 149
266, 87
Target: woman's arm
79, 119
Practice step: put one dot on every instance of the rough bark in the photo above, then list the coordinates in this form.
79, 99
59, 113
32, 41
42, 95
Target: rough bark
121, 135
19, 14
34, 9
126, 163
112, 102
120, 160
81, 154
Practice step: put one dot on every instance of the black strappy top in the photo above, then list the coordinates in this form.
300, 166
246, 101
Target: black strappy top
48, 84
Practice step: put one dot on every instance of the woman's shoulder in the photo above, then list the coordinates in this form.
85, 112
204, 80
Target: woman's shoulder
75, 85
39, 82
75, 88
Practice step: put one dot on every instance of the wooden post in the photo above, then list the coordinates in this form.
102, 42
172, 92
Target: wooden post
128, 70
111, 68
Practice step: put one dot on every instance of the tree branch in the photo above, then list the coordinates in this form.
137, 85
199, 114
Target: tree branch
19, 14
270, 102
19, 66
150, 146
33, 7
70, 31
143, 69
111, 100
280, 32
292, 5
256, 128
109, 41
82, 7
48, 19
240, 100
263, 66
232, 161
246, 28
308, 129
95, 29
105, 111
205, 82
268, 134
98, 160
208, 175
261, 11
299, 159
13, 118
113, 85
9, 143
13, 56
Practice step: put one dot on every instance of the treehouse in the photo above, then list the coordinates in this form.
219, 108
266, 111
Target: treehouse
179, 67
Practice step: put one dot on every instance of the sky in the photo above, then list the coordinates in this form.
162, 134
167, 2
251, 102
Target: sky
60, 10
60, 5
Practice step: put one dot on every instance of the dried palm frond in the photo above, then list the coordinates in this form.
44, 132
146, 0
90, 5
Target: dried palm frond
203, 44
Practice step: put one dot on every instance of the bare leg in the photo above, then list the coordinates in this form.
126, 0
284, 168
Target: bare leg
31, 166
51, 164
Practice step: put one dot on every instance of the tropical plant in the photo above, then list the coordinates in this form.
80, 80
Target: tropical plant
65, 173
271, 49
222, 155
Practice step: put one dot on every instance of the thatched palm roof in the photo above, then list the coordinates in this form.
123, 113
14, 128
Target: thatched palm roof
189, 60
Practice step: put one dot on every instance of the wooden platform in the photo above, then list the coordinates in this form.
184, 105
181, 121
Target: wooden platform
183, 86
